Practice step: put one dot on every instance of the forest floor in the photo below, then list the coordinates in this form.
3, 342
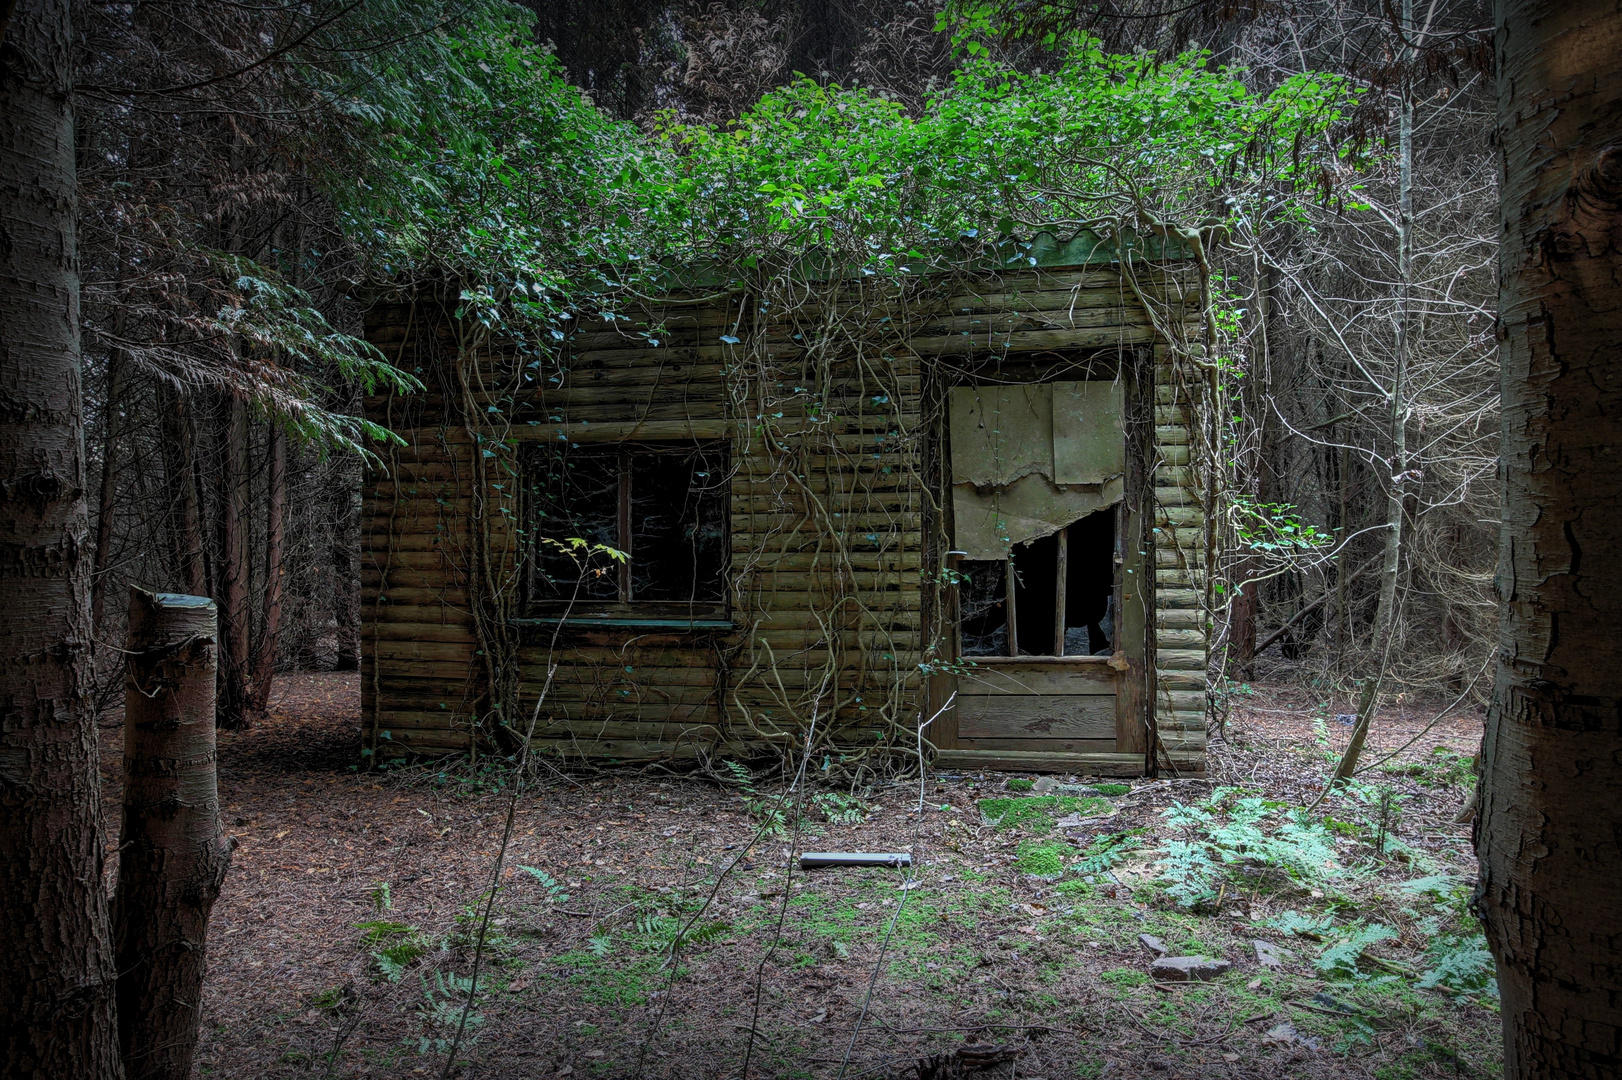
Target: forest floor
339, 946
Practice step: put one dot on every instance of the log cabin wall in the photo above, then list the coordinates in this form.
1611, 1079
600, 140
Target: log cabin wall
830, 412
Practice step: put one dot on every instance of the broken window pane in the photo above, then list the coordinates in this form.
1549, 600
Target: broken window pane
1035, 575
1089, 618
981, 594
1090, 586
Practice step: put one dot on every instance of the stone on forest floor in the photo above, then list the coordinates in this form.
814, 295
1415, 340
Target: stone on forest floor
1270, 955
1286, 1033
1153, 944
1187, 968
1047, 785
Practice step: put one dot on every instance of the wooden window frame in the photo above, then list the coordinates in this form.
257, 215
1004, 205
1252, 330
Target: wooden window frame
625, 610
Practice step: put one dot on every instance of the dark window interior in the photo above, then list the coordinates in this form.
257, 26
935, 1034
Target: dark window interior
1089, 621
664, 504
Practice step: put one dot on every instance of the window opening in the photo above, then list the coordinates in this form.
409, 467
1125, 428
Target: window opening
1062, 589
664, 504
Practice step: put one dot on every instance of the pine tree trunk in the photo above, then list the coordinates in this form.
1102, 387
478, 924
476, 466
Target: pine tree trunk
1550, 890
56, 966
264, 661
346, 568
174, 857
1242, 623
233, 583
186, 526
106, 505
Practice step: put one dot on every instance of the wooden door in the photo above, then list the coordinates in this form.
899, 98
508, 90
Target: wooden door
1048, 535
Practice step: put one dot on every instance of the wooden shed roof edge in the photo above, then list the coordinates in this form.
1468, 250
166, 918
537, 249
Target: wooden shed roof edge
1045, 250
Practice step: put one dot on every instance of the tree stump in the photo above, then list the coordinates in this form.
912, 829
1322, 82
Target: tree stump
173, 856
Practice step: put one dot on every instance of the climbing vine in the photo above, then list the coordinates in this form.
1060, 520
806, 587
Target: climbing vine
831, 223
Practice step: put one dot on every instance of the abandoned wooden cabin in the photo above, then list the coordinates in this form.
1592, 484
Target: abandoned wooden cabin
965, 501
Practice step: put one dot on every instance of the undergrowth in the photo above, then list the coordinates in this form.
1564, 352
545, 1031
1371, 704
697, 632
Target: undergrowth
1265, 842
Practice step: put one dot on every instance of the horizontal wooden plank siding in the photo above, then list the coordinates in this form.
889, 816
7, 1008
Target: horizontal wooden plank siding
828, 613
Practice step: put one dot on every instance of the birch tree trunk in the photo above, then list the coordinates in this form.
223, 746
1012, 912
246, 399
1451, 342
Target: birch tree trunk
56, 966
1398, 404
1550, 891
174, 856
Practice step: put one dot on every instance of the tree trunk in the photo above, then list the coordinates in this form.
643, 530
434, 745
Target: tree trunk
1242, 623
1385, 622
173, 857
233, 583
107, 504
1343, 622
346, 567
186, 527
56, 968
1550, 894
264, 661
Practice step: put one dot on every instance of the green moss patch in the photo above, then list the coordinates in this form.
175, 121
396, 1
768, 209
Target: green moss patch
1043, 858
1036, 814
1124, 977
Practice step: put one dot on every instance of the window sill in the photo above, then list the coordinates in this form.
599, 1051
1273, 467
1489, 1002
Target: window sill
1107, 659
625, 622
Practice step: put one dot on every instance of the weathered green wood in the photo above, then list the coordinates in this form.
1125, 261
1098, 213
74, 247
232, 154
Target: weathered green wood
985, 677
1036, 716
1056, 745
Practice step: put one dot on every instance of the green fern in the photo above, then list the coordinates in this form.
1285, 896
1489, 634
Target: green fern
1313, 927
705, 932
401, 946
1250, 834
1344, 956
393, 961
661, 932
440, 1011
1106, 851
840, 809
383, 929
740, 774
1190, 874
1459, 962
549, 884
1441, 886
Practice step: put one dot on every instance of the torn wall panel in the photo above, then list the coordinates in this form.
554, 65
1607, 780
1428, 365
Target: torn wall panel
989, 525
1030, 460
1089, 441
1001, 433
